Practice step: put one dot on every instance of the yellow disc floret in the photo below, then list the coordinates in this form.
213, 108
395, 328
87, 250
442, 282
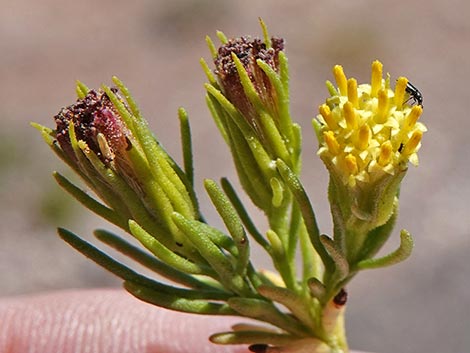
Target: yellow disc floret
368, 130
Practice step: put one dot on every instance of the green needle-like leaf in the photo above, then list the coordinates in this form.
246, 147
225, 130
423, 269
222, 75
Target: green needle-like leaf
151, 262
341, 263
223, 39
90, 203
165, 254
232, 222
242, 213
186, 144
220, 262
266, 311
291, 300
176, 302
317, 289
128, 274
397, 256
307, 211
81, 89
211, 46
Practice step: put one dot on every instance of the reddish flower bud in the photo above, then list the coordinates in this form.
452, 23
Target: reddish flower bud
91, 116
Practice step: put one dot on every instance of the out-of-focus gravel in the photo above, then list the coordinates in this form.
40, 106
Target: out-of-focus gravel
422, 305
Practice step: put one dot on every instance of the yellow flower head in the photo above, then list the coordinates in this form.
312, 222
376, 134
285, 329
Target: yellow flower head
368, 131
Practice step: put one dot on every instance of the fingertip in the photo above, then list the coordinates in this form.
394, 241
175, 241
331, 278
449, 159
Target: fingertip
106, 320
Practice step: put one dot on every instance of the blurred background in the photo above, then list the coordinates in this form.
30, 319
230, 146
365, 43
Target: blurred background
154, 46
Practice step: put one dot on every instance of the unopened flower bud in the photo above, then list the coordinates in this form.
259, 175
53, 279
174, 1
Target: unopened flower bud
248, 95
104, 139
95, 121
248, 51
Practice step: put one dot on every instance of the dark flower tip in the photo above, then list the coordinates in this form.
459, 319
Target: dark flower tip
248, 51
91, 116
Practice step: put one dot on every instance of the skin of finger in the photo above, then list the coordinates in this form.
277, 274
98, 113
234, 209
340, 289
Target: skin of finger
104, 321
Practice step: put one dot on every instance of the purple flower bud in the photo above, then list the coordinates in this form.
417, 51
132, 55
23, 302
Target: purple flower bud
248, 51
92, 116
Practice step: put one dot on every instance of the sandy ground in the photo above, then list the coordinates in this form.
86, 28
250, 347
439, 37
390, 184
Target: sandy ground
422, 305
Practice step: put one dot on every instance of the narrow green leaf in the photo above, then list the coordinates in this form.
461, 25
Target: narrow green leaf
251, 175
275, 141
101, 258
232, 222
248, 86
128, 274
129, 199
128, 118
223, 39
129, 99
397, 256
210, 76
276, 246
81, 89
258, 151
307, 212
177, 303
220, 262
211, 46
317, 289
266, 311
278, 191
264, 28
291, 300
284, 71
90, 203
165, 254
186, 144
338, 257
242, 213
218, 114
285, 123
150, 262
197, 234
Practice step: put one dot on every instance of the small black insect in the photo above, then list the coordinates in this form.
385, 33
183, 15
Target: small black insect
415, 94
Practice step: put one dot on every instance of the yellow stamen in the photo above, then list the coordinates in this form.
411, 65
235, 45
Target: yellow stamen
382, 108
367, 130
350, 115
352, 92
331, 142
325, 112
104, 147
412, 143
400, 88
351, 164
385, 153
376, 78
340, 78
413, 117
363, 137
